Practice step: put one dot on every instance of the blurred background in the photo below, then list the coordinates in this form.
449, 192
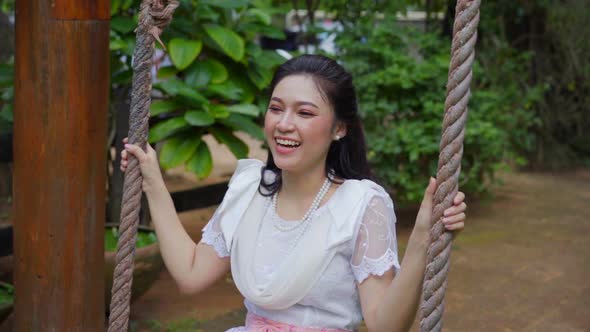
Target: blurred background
522, 262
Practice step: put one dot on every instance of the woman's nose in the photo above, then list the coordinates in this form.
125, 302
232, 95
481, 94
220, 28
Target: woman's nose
285, 122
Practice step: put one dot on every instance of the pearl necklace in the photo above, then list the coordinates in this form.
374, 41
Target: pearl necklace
303, 222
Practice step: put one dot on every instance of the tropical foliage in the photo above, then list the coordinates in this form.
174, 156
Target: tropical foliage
212, 83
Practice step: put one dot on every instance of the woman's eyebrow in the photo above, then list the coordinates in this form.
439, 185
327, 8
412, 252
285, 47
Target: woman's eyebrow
296, 103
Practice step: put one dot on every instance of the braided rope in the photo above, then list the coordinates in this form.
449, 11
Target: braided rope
449, 164
153, 17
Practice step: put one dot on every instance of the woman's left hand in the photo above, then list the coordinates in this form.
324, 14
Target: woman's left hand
453, 217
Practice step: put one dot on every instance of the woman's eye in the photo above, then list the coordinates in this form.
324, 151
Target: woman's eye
306, 113
274, 109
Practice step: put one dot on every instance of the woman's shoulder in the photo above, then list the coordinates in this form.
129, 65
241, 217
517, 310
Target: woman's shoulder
347, 205
352, 190
247, 171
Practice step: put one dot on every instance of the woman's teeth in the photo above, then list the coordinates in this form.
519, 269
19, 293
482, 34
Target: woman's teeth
287, 143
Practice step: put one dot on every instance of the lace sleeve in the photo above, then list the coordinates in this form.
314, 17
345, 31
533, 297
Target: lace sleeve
213, 236
375, 249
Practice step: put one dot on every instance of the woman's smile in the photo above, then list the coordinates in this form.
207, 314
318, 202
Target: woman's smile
298, 124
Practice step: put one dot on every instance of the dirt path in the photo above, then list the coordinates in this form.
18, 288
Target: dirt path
521, 265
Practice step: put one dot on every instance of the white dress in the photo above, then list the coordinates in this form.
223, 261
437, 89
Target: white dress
370, 248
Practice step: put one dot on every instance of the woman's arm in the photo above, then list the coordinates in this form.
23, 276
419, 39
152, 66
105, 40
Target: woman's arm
193, 267
390, 304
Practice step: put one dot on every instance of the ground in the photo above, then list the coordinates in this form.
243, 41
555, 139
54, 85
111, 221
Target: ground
520, 265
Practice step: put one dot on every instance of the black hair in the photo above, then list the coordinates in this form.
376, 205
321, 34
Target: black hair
347, 157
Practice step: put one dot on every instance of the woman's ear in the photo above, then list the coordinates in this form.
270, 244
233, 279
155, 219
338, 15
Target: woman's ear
339, 131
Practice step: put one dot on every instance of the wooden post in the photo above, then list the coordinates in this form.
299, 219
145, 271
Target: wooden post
60, 120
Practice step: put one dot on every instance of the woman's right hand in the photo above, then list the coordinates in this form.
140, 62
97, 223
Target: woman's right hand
148, 163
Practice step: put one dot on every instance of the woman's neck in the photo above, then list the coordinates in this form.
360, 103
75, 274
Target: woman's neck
302, 186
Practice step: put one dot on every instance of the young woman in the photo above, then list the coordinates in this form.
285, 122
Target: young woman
309, 239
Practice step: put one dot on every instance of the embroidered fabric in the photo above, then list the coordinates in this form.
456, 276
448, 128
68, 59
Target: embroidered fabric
375, 249
213, 236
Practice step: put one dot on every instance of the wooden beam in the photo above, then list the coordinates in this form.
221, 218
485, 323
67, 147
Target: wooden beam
60, 121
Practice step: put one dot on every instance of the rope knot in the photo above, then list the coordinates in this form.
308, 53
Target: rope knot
155, 15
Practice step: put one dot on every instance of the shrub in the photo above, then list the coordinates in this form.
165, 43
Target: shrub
401, 76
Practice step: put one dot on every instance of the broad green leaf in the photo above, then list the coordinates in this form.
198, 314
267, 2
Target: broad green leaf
166, 72
183, 51
265, 30
115, 4
230, 42
201, 72
122, 24
166, 128
201, 163
228, 4
269, 59
126, 4
177, 150
247, 109
199, 118
217, 70
226, 90
235, 145
260, 14
218, 111
174, 87
254, 50
197, 75
117, 44
162, 106
206, 13
259, 75
245, 124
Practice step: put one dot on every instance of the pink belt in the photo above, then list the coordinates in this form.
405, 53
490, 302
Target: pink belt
256, 323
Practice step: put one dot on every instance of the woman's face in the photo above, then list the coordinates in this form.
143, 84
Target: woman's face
299, 125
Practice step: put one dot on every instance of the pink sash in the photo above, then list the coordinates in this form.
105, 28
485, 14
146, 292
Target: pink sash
256, 323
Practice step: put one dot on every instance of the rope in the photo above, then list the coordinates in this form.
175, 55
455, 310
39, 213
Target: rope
153, 17
449, 164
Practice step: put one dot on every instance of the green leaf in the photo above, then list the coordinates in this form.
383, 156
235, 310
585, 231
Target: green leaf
217, 70
7, 113
201, 163
201, 73
174, 87
260, 14
199, 118
230, 42
227, 4
235, 145
265, 30
166, 128
227, 90
259, 75
218, 111
6, 75
117, 44
197, 75
162, 106
166, 72
122, 24
183, 51
177, 150
245, 124
247, 109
